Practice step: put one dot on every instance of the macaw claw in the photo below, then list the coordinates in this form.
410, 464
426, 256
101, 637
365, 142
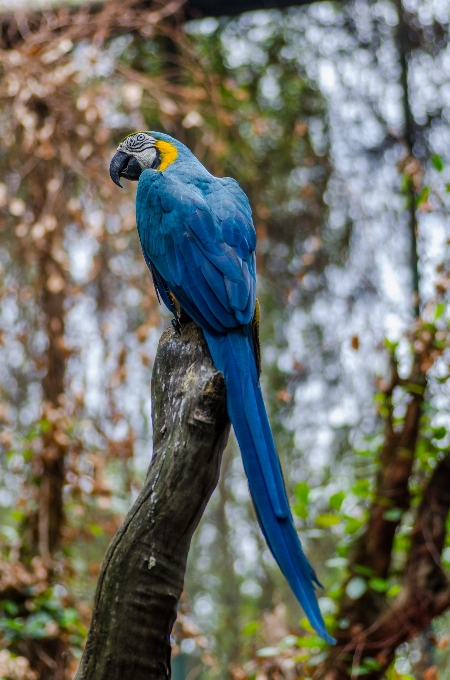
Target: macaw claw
177, 326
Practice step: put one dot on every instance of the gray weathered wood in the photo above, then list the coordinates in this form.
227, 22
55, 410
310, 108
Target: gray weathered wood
143, 571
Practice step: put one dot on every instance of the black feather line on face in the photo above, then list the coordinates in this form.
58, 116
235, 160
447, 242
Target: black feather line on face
157, 160
137, 142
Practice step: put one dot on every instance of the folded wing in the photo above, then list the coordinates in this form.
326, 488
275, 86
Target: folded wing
202, 246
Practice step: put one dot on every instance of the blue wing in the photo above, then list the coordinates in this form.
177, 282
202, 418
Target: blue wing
202, 245
199, 242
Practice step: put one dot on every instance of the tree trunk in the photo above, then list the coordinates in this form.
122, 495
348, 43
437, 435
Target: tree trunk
48, 520
142, 575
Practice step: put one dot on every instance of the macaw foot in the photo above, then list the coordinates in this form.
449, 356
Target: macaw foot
177, 326
180, 316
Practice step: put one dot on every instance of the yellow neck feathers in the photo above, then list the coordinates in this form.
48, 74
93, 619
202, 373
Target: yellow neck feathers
169, 153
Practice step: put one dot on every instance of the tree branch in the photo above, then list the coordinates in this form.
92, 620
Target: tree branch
143, 571
424, 568
95, 21
374, 548
101, 20
377, 625
405, 46
425, 589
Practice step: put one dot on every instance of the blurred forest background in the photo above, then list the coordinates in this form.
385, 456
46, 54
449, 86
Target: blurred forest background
335, 119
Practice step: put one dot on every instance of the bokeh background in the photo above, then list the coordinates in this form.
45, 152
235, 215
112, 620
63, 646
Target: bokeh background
347, 174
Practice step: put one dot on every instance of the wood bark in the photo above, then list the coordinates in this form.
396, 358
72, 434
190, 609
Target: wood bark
142, 576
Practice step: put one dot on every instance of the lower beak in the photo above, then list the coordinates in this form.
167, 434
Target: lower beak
124, 165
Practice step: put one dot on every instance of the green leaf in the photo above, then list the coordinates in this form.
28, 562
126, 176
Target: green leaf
359, 670
394, 590
414, 388
405, 183
45, 426
390, 345
380, 585
361, 488
343, 549
18, 515
300, 510
437, 162
310, 642
422, 196
304, 623
439, 432
335, 593
69, 617
10, 607
35, 625
392, 514
352, 525
363, 570
96, 529
251, 628
440, 309
336, 500
327, 520
356, 588
28, 454
302, 492
12, 628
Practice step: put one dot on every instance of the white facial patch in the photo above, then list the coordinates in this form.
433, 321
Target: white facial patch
141, 146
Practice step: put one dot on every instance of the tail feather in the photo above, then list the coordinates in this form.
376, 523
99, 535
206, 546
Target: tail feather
233, 355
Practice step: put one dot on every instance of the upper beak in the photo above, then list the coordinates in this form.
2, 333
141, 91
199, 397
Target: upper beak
118, 163
124, 165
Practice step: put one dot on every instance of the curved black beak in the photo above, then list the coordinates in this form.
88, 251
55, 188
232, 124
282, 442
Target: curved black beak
124, 165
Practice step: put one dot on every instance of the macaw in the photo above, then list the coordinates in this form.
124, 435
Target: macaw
198, 241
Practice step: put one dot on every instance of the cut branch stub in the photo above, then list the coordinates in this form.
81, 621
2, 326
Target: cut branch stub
142, 576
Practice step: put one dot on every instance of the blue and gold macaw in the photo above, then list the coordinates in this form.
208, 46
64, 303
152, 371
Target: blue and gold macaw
199, 242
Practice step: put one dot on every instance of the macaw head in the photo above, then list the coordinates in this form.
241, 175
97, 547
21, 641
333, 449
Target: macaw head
141, 151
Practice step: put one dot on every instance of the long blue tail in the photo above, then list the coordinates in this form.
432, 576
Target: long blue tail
233, 355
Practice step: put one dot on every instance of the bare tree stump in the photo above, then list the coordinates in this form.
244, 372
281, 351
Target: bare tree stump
142, 575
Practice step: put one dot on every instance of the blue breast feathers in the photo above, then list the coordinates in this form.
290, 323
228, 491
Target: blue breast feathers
201, 240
